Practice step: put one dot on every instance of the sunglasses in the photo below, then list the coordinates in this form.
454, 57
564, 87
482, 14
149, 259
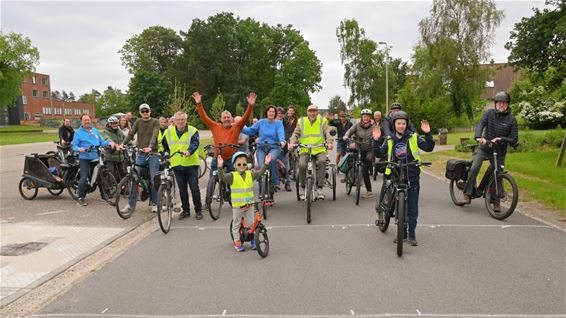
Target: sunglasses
144, 111
245, 164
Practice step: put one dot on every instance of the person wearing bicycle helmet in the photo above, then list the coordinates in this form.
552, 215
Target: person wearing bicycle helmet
404, 147
497, 127
387, 123
114, 159
182, 142
363, 131
241, 183
312, 130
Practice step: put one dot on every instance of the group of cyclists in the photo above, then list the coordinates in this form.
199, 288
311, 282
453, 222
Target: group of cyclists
392, 138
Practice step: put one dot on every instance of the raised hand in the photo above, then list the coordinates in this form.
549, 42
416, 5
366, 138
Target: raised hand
251, 99
268, 158
197, 97
330, 146
220, 162
425, 126
376, 133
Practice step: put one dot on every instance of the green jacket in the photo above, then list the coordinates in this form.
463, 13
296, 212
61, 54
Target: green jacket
115, 136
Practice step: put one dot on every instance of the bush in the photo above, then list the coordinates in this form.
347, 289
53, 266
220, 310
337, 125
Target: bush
529, 142
53, 123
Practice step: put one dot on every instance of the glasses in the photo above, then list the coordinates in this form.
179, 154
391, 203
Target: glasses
242, 164
144, 111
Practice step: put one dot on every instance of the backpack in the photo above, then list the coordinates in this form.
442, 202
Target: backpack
344, 164
457, 169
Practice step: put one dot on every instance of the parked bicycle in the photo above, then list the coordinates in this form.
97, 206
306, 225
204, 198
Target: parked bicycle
311, 178
132, 185
99, 177
166, 194
217, 192
354, 174
393, 200
504, 192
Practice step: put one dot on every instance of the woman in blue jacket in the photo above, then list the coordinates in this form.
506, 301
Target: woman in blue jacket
85, 138
270, 131
403, 146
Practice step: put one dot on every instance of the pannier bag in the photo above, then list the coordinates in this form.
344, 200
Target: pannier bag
457, 169
344, 164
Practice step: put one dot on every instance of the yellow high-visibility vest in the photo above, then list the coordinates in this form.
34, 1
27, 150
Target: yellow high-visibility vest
312, 134
413, 146
180, 144
242, 190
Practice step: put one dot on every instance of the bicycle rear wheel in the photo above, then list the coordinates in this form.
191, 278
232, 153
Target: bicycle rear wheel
309, 198
359, 176
28, 188
214, 199
349, 182
507, 195
203, 167
108, 187
400, 222
73, 184
333, 182
457, 191
164, 208
261, 240
265, 188
126, 188
387, 210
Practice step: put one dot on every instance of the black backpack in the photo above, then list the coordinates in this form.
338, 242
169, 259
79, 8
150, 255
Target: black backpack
457, 169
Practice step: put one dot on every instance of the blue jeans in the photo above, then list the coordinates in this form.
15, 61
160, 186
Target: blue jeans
413, 207
276, 153
143, 160
85, 165
184, 176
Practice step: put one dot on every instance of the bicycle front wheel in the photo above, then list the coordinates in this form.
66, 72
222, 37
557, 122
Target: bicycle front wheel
457, 191
400, 222
359, 177
349, 182
127, 191
504, 193
309, 198
164, 207
214, 199
108, 187
203, 167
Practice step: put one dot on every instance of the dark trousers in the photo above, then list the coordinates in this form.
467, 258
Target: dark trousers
413, 207
477, 160
84, 170
116, 169
367, 167
184, 176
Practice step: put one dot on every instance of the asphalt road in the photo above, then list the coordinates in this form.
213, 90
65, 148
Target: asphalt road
466, 264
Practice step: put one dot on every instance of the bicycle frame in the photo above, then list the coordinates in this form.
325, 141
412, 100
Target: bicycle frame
490, 174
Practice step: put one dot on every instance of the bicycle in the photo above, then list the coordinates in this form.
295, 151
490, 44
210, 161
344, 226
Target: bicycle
393, 202
217, 192
166, 195
354, 174
311, 178
266, 188
99, 176
505, 190
203, 166
257, 232
129, 186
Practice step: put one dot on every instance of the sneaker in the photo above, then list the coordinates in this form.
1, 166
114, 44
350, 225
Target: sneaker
276, 188
367, 195
343, 180
126, 209
302, 196
199, 215
413, 242
184, 214
81, 202
154, 208
239, 247
288, 188
466, 199
253, 245
319, 194
497, 207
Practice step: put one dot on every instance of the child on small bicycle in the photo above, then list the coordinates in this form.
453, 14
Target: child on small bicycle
403, 146
241, 183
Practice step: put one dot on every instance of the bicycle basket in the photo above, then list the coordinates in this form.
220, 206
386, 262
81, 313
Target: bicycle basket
457, 169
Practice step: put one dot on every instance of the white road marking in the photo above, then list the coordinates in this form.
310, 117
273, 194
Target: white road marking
105, 310
52, 212
418, 312
345, 226
224, 312
352, 312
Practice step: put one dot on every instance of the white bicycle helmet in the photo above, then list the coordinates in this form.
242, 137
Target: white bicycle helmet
112, 119
366, 111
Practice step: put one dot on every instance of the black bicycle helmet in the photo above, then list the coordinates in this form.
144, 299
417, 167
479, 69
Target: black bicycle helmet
395, 106
399, 115
502, 97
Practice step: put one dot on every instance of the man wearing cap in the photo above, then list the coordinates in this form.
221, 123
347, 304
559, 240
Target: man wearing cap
147, 130
312, 130
387, 125
181, 142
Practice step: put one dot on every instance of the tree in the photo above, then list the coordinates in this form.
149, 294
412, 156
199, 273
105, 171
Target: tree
154, 50
336, 104
151, 88
91, 97
539, 42
56, 95
455, 38
112, 101
17, 60
64, 95
71, 97
218, 106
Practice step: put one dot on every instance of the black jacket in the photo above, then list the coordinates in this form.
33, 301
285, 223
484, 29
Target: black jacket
494, 124
340, 127
66, 133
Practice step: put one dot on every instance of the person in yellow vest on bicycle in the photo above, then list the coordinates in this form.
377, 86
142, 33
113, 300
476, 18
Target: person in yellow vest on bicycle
241, 183
181, 142
163, 125
312, 130
403, 146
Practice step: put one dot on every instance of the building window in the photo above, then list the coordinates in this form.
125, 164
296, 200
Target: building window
34, 93
68, 111
44, 81
25, 100
33, 80
26, 116
77, 111
37, 116
85, 111
45, 94
47, 110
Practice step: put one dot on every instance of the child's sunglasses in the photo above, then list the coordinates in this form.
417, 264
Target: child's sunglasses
245, 164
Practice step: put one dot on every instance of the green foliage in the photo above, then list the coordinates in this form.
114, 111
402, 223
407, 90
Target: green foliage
17, 60
336, 104
151, 88
180, 101
19, 129
218, 106
539, 42
531, 141
53, 123
112, 101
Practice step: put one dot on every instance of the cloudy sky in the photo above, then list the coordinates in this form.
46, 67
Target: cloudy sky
79, 41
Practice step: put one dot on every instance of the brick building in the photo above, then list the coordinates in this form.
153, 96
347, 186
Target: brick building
36, 104
501, 78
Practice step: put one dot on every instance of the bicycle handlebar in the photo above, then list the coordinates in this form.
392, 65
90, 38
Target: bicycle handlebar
401, 164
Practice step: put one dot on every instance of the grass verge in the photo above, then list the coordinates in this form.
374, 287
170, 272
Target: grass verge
16, 129
26, 138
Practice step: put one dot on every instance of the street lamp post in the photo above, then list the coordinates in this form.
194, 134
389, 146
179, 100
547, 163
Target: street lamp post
387, 47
